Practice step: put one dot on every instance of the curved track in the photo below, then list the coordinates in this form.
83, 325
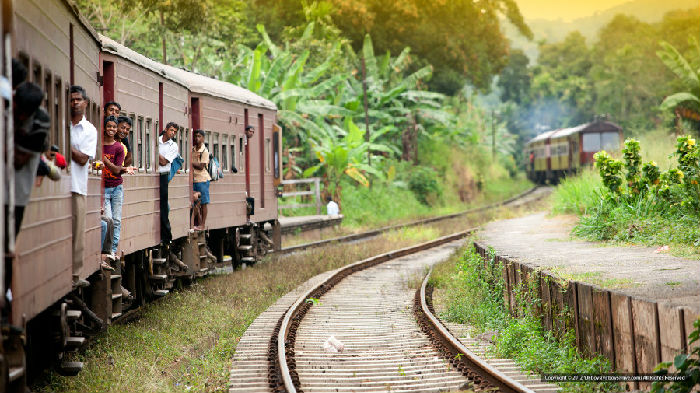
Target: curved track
369, 307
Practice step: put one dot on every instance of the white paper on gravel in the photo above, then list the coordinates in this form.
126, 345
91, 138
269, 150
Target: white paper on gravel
333, 345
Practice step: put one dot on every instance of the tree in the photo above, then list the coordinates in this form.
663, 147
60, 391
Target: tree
689, 98
515, 78
458, 37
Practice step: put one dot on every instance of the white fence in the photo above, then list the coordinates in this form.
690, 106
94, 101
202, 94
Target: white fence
314, 189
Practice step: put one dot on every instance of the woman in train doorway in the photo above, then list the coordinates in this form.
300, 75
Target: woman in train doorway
113, 158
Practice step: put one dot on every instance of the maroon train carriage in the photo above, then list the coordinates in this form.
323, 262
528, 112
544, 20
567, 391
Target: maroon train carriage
554, 154
59, 49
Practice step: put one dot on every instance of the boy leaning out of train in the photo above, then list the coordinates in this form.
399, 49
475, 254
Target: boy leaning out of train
113, 159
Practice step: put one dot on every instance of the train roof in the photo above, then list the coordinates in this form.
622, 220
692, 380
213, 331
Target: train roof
196, 83
595, 126
111, 46
204, 85
83, 21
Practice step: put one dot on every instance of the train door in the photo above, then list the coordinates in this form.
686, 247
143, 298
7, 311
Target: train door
246, 154
261, 153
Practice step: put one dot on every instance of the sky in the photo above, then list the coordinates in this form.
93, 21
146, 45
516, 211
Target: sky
564, 9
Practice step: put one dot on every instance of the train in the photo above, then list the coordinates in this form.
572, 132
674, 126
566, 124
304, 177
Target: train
47, 314
552, 155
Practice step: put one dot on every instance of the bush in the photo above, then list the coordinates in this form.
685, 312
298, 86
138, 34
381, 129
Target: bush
422, 181
650, 206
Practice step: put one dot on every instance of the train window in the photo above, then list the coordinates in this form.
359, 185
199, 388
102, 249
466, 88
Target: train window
224, 152
241, 151
136, 143
36, 75
186, 150
48, 94
147, 145
207, 140
591, 142
215, 152
57, 110
48, 103
233, 151
268, 142
148, 130
178, 139
610, 141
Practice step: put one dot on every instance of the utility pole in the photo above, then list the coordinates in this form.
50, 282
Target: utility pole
493, 134
364, 93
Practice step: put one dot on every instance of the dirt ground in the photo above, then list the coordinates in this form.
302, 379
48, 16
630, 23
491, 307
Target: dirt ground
544, 242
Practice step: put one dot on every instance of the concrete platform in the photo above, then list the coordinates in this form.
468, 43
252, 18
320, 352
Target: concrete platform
298, 224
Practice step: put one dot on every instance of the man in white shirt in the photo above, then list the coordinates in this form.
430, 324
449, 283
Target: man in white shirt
167, 152
83, 139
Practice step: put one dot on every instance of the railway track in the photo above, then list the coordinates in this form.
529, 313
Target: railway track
369, 307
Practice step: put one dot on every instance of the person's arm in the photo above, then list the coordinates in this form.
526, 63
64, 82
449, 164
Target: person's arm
115, 169
82, 155
127, 159
79, 157
161, 160
203, 160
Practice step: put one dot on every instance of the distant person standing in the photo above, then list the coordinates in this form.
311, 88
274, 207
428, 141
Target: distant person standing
167, 152
332, 207
83, 137
200, 175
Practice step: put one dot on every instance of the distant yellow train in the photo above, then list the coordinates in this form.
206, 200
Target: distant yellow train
554, 154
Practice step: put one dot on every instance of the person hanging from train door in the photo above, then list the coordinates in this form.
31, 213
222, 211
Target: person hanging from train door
113, 159
200, 176
167, 152
83, 138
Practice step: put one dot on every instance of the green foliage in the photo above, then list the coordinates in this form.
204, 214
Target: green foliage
573, 194
475, 296
379, 204
617, 72
423, 182
686, 73
633, 159
655, 208
687, 365
610, 170
445, 34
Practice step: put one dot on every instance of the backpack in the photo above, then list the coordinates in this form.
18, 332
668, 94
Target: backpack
215, 170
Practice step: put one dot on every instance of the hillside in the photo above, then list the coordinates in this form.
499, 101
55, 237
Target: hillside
554, 30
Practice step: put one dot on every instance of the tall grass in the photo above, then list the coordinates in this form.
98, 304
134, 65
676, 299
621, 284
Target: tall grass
658, 146
576, 194
474, 295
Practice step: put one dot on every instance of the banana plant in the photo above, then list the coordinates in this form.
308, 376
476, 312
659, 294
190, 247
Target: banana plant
685, 71
342, 151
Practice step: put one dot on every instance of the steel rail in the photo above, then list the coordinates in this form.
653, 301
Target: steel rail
476, 363
298, 309
295, 309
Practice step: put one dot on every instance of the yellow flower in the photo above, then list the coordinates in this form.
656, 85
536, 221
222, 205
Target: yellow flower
691, 142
